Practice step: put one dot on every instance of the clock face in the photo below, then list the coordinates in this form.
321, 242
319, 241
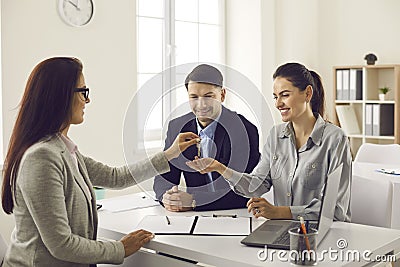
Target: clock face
76, 12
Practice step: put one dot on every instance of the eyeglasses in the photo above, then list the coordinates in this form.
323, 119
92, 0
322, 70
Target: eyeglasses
84, 91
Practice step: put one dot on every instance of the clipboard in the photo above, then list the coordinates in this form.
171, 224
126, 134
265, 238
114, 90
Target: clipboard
197, 225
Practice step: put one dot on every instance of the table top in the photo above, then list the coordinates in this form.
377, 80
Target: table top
228, 251
368, 170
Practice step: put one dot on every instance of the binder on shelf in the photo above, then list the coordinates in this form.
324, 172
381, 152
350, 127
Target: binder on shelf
339, 85
368, 119
359, 84
346, 84
348, 119
355, 84
383, 119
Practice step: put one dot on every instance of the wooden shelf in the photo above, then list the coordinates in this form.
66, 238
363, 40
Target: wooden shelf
373, 77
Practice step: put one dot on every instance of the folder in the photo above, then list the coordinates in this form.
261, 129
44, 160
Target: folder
368, 119
355, 84
168, 224
359, 84
339, 85
346, 84
348, 119
383, 120
196, 225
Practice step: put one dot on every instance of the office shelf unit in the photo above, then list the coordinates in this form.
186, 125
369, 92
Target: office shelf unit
364, 103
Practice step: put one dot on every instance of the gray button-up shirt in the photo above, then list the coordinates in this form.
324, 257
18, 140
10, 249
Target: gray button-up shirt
298, 176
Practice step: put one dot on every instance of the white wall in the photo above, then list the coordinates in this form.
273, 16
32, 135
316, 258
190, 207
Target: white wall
348, 30
244, 50
322, 34
32, 31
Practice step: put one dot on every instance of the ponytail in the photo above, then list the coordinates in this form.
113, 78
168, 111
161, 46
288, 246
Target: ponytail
318, 98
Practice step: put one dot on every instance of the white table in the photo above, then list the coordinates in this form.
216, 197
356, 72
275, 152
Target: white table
228, 251
362, 171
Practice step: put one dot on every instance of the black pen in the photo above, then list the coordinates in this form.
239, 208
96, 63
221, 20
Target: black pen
225, 215
168, 221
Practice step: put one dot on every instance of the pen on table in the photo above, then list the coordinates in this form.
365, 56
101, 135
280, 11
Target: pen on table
303, 229
168, 221
225, 215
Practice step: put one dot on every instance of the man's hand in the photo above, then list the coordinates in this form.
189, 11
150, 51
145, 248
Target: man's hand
177, 200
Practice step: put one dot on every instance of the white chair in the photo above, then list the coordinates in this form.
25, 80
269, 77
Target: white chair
371, 202
377, 153
3, 249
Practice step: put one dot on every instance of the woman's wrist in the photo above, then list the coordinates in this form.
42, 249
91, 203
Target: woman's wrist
224, 171
169, 154
283, 212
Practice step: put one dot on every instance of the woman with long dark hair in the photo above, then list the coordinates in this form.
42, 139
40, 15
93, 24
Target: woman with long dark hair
298, 156
48, 184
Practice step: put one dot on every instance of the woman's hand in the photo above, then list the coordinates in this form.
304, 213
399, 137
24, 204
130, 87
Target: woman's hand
260, 207
181, 143
205, 165
134, 241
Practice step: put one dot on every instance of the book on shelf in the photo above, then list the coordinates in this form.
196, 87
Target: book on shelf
348, 119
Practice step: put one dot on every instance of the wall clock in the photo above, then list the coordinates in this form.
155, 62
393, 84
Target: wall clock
76, 12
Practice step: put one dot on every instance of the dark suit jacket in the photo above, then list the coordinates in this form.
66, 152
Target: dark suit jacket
236, 141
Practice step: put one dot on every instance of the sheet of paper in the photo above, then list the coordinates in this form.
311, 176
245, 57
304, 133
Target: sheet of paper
389, 171
128, 202
222, 226
158, 224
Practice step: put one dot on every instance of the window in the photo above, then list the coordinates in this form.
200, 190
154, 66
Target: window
171, 33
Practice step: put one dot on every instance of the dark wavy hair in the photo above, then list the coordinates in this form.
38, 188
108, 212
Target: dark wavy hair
301, 77
45, 110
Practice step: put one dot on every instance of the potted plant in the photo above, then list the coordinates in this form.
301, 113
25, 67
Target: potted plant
382, 92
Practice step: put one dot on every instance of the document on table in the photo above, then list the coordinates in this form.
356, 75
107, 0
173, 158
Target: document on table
128, 202
158, 224
389, 171
196, 225
223, 226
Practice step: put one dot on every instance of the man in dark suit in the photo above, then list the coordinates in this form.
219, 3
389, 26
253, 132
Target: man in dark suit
225, 136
